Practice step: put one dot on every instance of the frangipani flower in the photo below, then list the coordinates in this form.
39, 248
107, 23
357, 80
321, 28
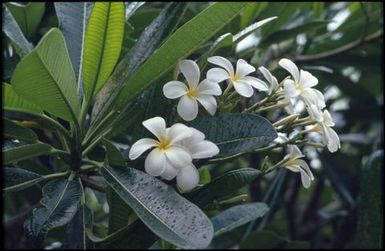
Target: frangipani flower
242, 83
324, 124
174, 150
167, 154
301, 85
188, 177
270, 79
295, 164
192, 93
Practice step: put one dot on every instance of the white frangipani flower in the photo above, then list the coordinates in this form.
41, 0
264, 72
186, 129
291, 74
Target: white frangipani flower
270, 79
239, 79
174, 150
295, 164
167, 153
324, 124
192, 93
301, 85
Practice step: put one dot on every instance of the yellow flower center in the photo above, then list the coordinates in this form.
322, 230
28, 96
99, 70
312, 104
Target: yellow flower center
192, 93
298, 86
234, 78
164, 144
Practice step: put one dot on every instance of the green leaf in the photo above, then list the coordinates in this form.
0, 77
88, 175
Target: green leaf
235, 133
102, 44
182, 43
15, 131
148, 42
60, 202
114, 156
12, 101
27, 16
17, 179
223, 41
119, 211
371, 205
251, 12
45, 77
237, 216
164, 211
223, 185
251, 28
13, 152
12, 30
73, 19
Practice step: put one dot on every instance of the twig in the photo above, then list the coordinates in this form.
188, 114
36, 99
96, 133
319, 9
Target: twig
341, 49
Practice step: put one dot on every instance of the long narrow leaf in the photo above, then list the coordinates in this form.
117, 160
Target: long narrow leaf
164, 211
102, 45
14, 33
45, 77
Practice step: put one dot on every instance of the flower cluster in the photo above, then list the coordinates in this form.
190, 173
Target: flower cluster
178, 145
173, 152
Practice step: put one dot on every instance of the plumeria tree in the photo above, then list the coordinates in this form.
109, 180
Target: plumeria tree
151, 125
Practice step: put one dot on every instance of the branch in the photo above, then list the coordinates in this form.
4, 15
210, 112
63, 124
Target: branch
341, 49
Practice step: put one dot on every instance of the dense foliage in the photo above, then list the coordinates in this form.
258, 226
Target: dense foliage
88, 88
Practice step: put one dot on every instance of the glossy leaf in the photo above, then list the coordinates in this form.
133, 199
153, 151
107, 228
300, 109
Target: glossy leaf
28, 16
371, 204
131, 8
13, 130
164, 211
113, 154
237, 216
119, 211
73, 19
13, 152
251, 12
46, 78
102, 45
12, 30
17, 179
181, 44
59, 204
12, 101
251, 28
223, 185
235, 133
148, 42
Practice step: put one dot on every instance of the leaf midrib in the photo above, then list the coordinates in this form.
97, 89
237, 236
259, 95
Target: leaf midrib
149, 209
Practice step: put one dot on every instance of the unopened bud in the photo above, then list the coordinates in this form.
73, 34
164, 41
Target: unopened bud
287, 120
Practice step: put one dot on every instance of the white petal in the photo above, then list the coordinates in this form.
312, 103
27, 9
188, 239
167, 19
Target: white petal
156, 126
204, 149
196, 137
319, 97
169, 173
174, 89
187, 108
187, 178
305, 167
190, 71
155, 163
307, 79
269, 77
243, 68
293, 168
294, 152
314, 112
290, 90
332, 139
207, 87
140, 147
208, 102
222, 62
305, 179
178, 132
256, 83
327, 118
313, 96
217, 75
178, 156
290, 67
243, 88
